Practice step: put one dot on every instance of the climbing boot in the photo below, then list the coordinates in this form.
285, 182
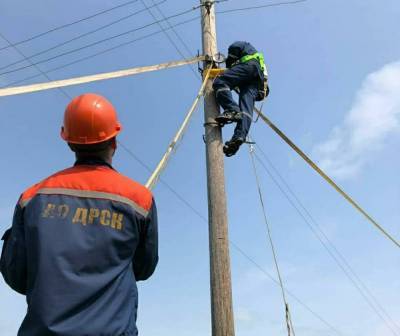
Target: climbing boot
228, 117
232, 146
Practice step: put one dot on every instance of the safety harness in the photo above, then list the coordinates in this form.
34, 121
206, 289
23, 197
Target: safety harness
263, 90
258, 56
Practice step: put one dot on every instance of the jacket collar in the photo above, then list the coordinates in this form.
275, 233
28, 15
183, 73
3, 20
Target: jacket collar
92, 161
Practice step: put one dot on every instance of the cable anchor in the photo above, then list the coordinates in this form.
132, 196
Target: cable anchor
251, 147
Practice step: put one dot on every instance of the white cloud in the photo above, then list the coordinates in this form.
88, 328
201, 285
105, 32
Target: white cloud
374, 116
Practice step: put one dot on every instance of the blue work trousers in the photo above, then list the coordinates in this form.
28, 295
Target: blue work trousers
247, 77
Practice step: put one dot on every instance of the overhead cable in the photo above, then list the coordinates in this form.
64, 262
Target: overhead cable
58, 45
125, 43
289, 323
36, 67
63, 66
233, 244
272, 278
68, 24
327, 243
99, 42
94, 78
185, 45
166, 33
325, 177
284, 3
164, 160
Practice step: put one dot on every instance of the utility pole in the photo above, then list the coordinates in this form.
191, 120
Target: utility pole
220, 271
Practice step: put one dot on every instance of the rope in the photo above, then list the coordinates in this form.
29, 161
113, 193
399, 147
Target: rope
93, 78
234, 245
289, 324
329, 246
164, 160
325, 177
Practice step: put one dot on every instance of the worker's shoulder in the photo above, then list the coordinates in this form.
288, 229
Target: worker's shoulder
33, 190
97, 180
133, 190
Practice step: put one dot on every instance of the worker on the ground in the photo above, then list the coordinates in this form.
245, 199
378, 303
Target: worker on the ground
81, 238
247, 74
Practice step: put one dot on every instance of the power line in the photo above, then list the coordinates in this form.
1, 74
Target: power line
334, 256
165, 32
319, 317
110, 49
233, 244
185, 45
123, 44
56, 46
36, 67
289, 323
261, 6
100, 41
102, 52
68, 24
326, 178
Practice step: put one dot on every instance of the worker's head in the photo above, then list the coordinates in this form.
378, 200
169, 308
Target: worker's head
234, 54
90, 126
237, 50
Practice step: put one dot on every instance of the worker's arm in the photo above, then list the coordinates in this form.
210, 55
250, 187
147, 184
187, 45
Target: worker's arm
13, 255
146, 255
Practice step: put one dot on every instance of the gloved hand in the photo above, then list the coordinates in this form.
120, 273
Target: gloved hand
229, 62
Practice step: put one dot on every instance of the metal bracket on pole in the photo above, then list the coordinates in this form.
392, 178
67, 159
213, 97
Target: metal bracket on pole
212, 124
219, 58
199, 68
209, 59
216, 59
208, 5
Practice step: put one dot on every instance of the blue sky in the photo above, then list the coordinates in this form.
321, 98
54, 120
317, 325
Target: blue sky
335, 86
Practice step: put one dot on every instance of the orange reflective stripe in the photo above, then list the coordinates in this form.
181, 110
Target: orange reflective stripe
100, 180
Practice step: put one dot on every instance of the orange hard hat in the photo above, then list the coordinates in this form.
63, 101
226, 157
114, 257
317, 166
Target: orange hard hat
89, 119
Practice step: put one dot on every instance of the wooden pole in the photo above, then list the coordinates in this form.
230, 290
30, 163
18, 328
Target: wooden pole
220, 272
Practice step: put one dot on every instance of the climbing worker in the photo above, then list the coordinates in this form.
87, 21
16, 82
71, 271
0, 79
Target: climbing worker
81, 238
246, 73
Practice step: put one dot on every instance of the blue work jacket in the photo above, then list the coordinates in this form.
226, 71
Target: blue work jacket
79, 241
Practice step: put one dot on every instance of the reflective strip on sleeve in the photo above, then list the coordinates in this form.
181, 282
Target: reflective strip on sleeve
248, 115
90, 194
222, 89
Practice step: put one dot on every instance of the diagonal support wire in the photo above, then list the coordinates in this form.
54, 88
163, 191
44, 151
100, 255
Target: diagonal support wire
94, 78
327, 243
314, 166
164, 160
289, 323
